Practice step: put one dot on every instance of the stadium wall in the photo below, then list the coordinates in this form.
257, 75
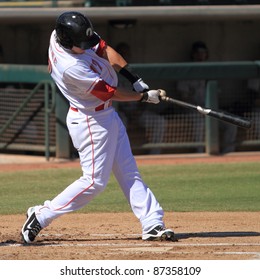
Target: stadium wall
155, 34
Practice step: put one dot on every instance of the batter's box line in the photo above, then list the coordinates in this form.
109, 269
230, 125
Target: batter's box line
127, 245
178, 235
255, 255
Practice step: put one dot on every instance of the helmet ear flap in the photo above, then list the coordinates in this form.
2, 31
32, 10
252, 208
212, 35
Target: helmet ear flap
63, 39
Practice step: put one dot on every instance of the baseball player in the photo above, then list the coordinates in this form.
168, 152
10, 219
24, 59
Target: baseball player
85, 70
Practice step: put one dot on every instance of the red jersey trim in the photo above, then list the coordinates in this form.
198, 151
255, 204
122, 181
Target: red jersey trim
101, 48
103, 91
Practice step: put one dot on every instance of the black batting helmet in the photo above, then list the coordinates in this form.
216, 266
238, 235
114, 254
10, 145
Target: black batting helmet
74, 29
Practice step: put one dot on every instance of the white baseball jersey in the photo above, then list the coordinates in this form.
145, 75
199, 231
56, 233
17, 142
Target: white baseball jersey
88, 82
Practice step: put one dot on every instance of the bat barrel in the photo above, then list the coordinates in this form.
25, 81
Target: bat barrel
220, 115
230, 118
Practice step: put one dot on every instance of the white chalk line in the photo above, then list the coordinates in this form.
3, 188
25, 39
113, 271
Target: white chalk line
255, 255
144, 244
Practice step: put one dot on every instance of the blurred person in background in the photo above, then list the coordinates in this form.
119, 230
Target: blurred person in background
254, 98
194, 91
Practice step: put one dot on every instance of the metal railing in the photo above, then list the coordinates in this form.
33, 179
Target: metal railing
28, 74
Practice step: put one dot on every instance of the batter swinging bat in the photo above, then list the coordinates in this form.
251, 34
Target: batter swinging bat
220, 115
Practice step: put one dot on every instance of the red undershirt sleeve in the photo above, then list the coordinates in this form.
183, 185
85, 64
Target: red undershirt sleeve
101, 48
103, 91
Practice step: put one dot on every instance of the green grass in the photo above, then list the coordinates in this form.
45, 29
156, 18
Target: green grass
197, 187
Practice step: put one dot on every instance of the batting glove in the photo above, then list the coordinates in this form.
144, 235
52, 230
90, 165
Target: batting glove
140, 85
151, 96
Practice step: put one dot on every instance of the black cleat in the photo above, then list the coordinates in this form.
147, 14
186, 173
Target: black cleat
159, 233
31, 227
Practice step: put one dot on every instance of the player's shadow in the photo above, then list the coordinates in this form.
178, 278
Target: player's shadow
216, 234
56, 241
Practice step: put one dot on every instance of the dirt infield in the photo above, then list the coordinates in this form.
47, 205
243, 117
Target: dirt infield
116, 236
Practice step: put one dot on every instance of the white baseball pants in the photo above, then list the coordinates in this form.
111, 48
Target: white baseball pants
103, 146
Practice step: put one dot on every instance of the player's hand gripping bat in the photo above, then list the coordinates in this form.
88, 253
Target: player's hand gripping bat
220, 115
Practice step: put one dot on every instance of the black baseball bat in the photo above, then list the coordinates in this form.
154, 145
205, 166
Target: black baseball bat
220, 115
